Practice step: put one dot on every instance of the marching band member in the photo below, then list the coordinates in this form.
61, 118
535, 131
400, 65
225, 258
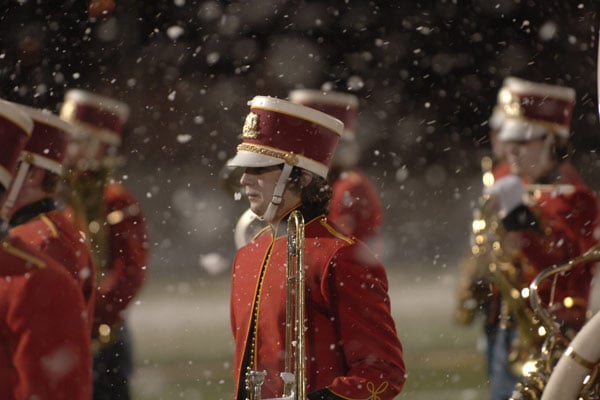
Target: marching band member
550, 227
45, 342
116, 227
36, 216
352, 349
355, 208
475, 292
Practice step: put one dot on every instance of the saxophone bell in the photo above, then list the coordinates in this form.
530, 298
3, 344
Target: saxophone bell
557, 347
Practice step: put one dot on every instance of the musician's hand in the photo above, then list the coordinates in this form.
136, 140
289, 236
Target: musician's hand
508, 192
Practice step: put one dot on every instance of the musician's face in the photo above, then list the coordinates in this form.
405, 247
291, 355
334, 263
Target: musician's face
530, 159
259, 185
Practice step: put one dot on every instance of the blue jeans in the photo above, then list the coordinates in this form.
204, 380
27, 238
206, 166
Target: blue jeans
502, 380
490, 339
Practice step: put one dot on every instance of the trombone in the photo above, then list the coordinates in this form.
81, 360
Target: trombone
294, 376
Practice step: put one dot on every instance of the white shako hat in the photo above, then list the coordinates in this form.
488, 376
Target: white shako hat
15, 131
101, 116
343, 106
280, 132
46, 148
533, 110
277, 131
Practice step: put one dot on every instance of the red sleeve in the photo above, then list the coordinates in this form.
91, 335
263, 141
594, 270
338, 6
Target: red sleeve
52, 354
54, 235
359, 297
129, 255
568, 223
355, 208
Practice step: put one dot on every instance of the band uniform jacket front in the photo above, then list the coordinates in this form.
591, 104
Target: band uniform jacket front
352, 348
53, 234
44, 336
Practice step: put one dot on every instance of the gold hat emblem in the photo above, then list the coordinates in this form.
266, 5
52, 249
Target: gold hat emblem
510, 103
250, 129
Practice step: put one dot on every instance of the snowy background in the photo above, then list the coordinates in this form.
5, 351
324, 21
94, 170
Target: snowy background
426, 73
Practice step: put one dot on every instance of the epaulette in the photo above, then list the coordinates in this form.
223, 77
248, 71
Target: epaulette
23, 255
335, 232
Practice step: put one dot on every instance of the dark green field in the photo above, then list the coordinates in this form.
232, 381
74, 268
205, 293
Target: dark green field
183, 343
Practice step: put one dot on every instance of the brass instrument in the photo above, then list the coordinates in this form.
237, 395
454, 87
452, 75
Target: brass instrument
499, 270
515, 310
83, 190
556, 343
294, 378
473, 289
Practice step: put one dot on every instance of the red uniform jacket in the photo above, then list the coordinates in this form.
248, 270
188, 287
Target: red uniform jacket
44, 336
355, 208
128, 245
501, 169
567, 226
54, 235
352, 347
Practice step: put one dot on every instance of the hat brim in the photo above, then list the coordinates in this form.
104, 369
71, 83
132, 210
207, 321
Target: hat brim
518, 130
248, 159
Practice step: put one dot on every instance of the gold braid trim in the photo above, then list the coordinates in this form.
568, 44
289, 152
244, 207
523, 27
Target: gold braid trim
288, 157
374, 392
579, 359
334, 232
23, 255
50, 224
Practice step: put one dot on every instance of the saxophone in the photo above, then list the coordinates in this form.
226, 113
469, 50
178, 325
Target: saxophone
505, 276
83, 191
559, 349
500, 271
473, 289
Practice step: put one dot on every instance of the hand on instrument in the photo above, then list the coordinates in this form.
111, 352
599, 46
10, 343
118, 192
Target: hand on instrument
509, 192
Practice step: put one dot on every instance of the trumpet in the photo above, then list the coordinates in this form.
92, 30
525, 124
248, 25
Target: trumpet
294, 376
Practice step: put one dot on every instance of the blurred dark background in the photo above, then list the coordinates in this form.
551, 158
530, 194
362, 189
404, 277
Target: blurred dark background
426, 73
